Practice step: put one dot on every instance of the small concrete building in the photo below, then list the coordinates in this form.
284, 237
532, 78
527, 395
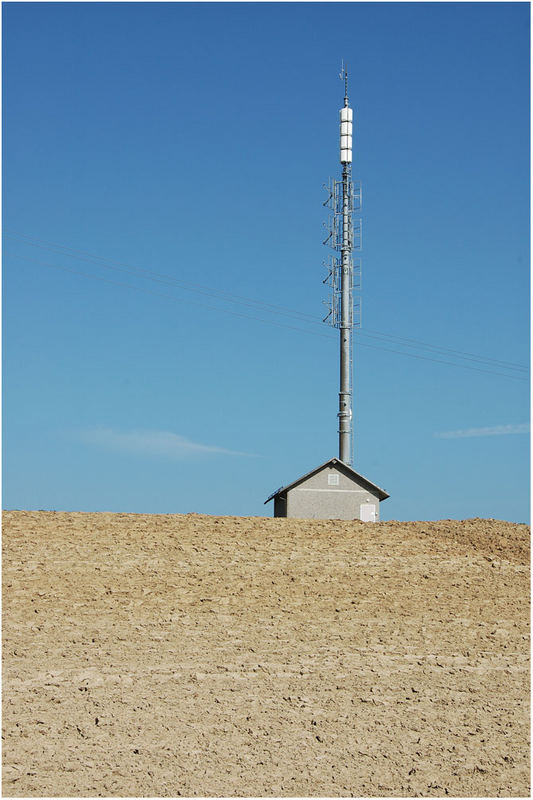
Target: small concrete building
331, 491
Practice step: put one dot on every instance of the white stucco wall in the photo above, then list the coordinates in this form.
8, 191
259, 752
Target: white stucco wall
317, 498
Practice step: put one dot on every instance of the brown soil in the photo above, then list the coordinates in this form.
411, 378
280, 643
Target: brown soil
191, 655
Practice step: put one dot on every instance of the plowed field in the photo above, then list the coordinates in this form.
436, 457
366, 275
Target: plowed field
190, 655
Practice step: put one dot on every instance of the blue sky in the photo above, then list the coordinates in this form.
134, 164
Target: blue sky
163, 181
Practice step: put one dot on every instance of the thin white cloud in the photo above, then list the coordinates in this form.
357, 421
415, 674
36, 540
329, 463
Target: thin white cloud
154, 443
496, 430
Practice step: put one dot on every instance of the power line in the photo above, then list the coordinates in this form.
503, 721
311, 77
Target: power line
259, 305
175, 299
462, 354
170, 297
159, 277
451, 363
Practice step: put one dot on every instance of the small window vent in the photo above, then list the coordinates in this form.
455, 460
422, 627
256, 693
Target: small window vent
333, 480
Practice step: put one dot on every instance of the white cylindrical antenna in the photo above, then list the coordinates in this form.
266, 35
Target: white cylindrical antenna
346, 124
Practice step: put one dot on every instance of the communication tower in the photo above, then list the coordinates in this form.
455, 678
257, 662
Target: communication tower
344, 270
334, 490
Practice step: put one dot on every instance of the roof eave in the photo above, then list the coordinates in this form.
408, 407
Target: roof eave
382, 494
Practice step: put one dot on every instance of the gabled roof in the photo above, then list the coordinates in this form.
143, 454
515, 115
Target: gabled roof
333, 462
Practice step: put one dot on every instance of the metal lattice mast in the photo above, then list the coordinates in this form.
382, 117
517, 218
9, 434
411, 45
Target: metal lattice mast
344, 274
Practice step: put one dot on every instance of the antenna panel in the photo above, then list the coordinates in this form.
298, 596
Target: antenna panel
335, 240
